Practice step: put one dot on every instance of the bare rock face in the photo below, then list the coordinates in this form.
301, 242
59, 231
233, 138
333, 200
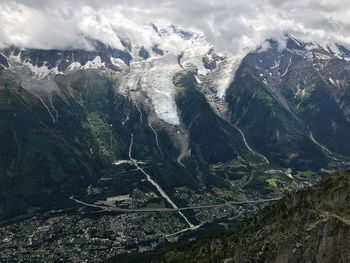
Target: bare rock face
309, 226
329, 242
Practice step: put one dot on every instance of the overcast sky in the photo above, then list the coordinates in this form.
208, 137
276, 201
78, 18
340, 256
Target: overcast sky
230, 25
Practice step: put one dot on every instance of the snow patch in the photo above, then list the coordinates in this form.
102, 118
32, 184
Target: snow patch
119, 63
277, 63
285, 72
15, 59
74, 66
194, 53
295, 41
41, 72
322, 56
95, 63
332, 81
333, 48
312, 46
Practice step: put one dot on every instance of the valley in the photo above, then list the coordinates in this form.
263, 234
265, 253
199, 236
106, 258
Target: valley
137, 149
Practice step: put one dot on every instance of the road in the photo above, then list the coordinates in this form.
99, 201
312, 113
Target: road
178, 209
160, 190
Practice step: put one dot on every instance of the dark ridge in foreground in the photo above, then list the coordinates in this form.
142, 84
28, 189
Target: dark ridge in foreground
312, 225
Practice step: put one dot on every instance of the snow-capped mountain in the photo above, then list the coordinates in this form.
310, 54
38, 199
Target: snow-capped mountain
259, 123
149, 68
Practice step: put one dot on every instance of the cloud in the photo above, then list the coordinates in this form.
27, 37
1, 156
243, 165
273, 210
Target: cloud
231, 26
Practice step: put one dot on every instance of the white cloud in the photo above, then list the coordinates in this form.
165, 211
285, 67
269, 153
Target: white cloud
99, 27
228, 25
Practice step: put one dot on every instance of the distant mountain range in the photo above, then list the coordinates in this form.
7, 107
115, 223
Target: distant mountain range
260, 124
